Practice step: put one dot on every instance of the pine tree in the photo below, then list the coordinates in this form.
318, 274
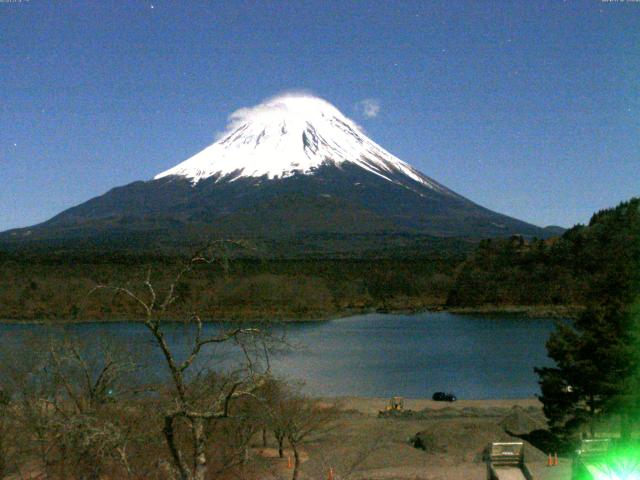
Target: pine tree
597, 371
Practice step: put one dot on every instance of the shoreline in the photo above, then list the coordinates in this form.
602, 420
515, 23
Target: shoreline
525, 311
530, 311
372, 405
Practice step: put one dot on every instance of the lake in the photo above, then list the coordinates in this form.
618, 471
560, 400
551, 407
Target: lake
376, 355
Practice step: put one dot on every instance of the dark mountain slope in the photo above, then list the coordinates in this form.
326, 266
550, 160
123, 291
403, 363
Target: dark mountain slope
293, 167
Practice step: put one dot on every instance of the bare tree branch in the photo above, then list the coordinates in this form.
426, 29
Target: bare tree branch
196, 408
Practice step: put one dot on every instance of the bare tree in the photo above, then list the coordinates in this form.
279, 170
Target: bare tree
87, 386
350, 460
5, 418
61, 395
196, 400
271, 414
23, 379
304, 417
293, 417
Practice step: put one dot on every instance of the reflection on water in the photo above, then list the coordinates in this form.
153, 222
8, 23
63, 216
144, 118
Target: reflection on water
371, 355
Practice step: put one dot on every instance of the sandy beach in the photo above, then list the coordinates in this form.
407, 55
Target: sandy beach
361, 445
371, 406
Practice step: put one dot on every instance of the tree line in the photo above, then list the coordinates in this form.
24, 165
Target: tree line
43, 287
556, 272
567, 270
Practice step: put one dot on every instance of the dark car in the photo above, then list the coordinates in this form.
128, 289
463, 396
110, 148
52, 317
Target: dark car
444, 397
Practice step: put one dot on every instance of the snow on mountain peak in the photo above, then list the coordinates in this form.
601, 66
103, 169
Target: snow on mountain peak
289, 134
285, 108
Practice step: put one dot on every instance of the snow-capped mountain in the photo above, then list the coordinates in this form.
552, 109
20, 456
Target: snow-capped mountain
293, 170
292, 134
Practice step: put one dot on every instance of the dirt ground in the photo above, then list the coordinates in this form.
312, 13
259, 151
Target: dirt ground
360, 446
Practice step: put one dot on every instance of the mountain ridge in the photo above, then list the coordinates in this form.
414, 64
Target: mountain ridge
290, 167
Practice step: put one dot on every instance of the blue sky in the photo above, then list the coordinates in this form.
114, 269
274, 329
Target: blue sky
530, 108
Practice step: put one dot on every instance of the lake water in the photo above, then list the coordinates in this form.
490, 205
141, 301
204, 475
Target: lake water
476, 357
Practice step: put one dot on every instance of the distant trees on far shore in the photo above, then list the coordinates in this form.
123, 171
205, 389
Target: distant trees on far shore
43, 288
568, 270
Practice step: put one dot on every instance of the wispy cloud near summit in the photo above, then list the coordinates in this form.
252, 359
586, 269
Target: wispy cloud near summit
369, 107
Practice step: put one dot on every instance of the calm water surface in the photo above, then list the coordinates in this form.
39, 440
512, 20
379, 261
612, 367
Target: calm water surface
376, 355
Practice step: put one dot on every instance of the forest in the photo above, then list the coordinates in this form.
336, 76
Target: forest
553, 275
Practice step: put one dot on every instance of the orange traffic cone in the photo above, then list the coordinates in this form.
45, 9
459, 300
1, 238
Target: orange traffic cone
290, 465
330, 477
550, 461
555, 459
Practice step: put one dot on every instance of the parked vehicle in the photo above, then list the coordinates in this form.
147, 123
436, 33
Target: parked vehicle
444, 397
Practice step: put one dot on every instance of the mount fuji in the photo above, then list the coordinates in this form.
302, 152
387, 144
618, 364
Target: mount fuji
288, 135
291, 168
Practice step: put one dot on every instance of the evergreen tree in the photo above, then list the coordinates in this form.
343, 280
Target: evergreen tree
597, 358
596, 369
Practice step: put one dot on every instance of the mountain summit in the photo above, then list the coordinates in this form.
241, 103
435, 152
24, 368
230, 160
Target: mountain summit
288, 135
292, 171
